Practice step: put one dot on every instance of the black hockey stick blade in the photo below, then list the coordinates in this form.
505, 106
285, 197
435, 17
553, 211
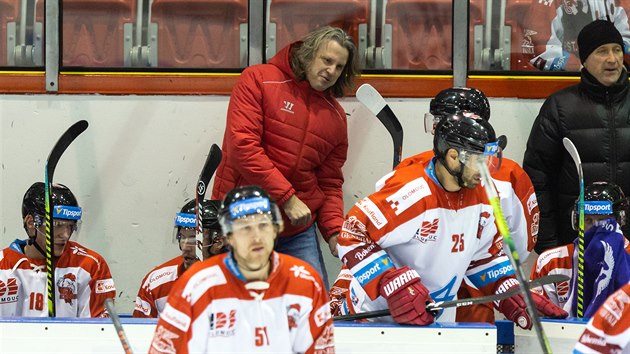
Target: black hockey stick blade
109, 305
51, 163
212, 162
549, 279
373, 100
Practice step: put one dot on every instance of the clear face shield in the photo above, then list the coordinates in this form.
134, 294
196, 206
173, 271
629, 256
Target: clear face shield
430, 122
491, 157
66, 224
185, 235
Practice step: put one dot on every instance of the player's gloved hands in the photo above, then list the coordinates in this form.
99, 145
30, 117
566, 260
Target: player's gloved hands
515, 309
406, 297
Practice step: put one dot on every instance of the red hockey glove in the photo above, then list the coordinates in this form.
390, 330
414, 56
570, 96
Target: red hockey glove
406, 297
515, 309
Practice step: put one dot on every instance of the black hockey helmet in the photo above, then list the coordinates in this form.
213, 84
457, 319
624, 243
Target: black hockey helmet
603, 198
248, 200
455, 99
34, 202
209, 213
462, 131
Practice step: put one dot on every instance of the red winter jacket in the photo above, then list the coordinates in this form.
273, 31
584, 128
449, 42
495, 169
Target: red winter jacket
287, 138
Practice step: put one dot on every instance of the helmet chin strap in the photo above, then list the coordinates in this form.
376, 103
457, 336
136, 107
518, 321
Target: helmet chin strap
31, 241
456, 174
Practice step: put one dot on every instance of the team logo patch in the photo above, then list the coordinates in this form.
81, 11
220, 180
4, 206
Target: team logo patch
67, 287
105, 285
142, 306
322, 315
185, 220
176, 318
163, 341
293, 315
373, 270
8, 291
222, 324
408, 195
249, 206
532, 202
67, 212
373, 212
428, 231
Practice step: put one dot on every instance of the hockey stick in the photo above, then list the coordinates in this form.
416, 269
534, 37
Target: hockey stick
109, 304
434, 306
373, 100
572, 150
211, 164
51, 163
494, 200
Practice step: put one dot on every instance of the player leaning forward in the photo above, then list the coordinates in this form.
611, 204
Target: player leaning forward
250, 299
82, 277
427, 228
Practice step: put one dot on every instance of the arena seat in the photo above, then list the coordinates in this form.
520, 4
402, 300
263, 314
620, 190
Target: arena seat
201, 33
9, 17
522, 47
421, 32
290, 20
93, 34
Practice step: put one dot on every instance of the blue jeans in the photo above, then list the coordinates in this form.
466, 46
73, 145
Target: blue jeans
305, 247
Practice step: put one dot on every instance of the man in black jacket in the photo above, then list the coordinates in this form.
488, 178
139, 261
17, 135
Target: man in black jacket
595, 115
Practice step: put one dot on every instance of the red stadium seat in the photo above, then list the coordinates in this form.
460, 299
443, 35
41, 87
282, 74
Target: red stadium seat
9, 14
421, 32
201, 33
93, 33
294, 19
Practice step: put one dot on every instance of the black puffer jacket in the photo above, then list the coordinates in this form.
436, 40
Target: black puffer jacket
597, 119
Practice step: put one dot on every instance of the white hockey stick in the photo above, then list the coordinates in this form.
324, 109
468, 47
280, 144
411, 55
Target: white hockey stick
572, 150
373, 100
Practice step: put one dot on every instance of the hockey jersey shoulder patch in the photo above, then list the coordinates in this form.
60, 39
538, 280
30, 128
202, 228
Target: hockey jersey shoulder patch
371, 210
408, 195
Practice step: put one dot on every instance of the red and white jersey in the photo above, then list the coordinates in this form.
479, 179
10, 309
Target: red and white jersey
557, 260
517, 196
82, 277
213, 308
155, 287
608, 331
412, 221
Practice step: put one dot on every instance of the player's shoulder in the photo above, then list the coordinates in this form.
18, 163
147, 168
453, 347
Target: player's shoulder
77, 253
300, 274
554, 255
203, 275
10, 257
167, 271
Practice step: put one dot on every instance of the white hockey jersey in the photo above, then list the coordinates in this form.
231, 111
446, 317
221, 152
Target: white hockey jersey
82, 278
211, 309
155, 287
412, 221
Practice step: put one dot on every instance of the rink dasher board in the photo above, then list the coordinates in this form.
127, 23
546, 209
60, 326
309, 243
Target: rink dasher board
64, 335
562, 335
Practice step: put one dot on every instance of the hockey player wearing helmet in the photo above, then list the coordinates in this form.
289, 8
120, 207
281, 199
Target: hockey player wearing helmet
518, 199
82, 277
606, 253
429, 227
268, 301
156, 285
